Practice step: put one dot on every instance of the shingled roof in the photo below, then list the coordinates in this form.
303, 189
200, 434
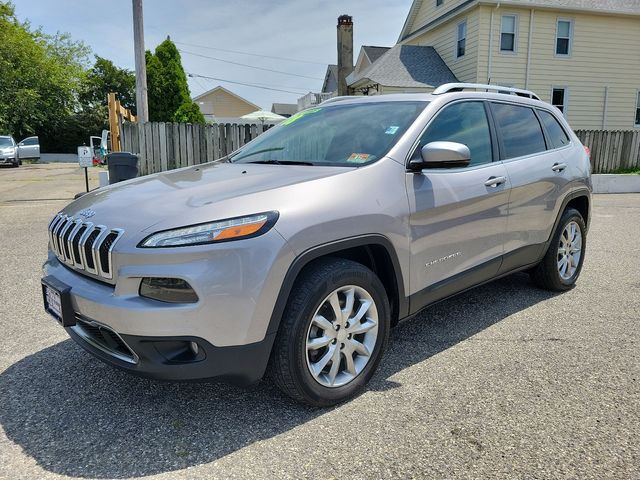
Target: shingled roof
374, 53
406, 66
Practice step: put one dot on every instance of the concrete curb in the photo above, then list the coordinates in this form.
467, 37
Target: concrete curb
616, 183
58, 158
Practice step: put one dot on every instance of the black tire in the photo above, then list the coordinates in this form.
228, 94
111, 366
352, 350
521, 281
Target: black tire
288, 363
546, 274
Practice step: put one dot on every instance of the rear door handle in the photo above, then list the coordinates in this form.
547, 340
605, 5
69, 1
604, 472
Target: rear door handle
559, 167
495, 181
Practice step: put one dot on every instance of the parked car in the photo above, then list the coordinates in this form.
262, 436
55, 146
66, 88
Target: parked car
29, 149
8, 151
299, 251
13, 154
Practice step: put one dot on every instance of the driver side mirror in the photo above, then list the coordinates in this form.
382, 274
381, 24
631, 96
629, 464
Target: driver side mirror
441, 155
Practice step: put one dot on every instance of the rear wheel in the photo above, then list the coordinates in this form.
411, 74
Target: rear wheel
562, 263
332, 334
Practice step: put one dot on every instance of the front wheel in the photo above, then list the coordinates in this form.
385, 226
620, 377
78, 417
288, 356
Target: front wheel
332, 334
563, 261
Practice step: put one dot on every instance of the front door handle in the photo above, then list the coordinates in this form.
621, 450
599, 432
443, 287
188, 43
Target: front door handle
495, 181
558, 167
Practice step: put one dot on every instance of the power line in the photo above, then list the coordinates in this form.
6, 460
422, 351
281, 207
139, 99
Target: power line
251, 66
200, 84
300, 90
243, 83
251, 54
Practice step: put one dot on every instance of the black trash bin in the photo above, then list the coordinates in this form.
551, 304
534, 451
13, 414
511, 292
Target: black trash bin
122, 166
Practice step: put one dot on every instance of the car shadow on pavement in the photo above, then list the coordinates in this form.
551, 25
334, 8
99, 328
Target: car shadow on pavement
76, 416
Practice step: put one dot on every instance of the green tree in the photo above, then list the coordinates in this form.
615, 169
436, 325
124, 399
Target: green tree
105, 77
167, 88
40, 77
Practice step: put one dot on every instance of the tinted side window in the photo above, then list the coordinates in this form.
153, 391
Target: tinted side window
557, 136
30, 141
465, 123
520, 128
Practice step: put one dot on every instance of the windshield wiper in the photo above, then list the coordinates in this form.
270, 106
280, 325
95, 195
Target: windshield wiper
239, 155
282, 162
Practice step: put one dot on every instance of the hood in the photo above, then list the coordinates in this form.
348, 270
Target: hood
195, 194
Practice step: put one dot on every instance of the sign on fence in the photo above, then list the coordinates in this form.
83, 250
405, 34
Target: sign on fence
165, 146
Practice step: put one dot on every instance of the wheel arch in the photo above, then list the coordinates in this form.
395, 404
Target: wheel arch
374, 251
582, 204
580, 200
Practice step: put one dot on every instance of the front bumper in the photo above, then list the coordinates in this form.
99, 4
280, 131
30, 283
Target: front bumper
8, 160
237, 285
172, 358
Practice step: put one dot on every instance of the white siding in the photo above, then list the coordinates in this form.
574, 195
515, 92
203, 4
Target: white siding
443, 38
604, 52
429, 12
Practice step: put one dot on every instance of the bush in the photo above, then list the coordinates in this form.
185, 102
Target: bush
188, 112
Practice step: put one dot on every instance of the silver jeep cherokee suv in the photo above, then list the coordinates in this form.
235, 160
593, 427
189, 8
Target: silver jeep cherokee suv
299, 251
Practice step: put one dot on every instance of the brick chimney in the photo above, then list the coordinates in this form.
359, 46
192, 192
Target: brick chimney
345, 52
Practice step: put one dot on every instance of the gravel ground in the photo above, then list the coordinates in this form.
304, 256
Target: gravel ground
505, 381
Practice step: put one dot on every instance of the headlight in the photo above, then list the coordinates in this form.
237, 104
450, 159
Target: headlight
213, 232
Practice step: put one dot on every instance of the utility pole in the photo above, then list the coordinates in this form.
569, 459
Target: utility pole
142, 106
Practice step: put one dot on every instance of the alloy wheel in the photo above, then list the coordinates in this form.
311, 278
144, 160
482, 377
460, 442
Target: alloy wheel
341, 336
569, 250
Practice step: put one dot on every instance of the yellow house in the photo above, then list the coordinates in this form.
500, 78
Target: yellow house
222, 105
581, 55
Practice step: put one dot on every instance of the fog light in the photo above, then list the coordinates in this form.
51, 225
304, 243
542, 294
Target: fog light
170, 290
194, 347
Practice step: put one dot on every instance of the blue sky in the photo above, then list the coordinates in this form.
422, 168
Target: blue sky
302, 29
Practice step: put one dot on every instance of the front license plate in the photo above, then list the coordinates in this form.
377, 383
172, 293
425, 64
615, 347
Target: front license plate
57, 301
52, 302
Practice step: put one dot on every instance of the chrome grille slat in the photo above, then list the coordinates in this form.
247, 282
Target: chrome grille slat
56, 233
62, 240
82, 246
95, 250
76, 225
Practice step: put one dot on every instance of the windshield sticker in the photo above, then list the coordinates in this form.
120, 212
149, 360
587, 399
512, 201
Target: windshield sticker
392, 130
358, 157
299, 115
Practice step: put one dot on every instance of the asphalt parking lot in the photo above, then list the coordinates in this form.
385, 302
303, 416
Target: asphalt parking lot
505, 381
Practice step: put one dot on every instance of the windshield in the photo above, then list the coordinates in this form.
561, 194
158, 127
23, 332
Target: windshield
335, 135
5, 142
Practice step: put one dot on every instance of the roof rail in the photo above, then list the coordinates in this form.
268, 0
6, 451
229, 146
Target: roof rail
336, 99
458, 87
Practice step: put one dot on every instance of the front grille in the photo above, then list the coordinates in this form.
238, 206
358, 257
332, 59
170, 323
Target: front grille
83, 245
104, 338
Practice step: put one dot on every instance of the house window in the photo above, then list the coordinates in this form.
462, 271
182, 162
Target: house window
564, 34
638, 110
559, 99
462, 39
439, 2
508, 33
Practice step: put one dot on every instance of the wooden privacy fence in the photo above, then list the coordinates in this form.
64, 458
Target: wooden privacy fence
612, 150
165, 146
